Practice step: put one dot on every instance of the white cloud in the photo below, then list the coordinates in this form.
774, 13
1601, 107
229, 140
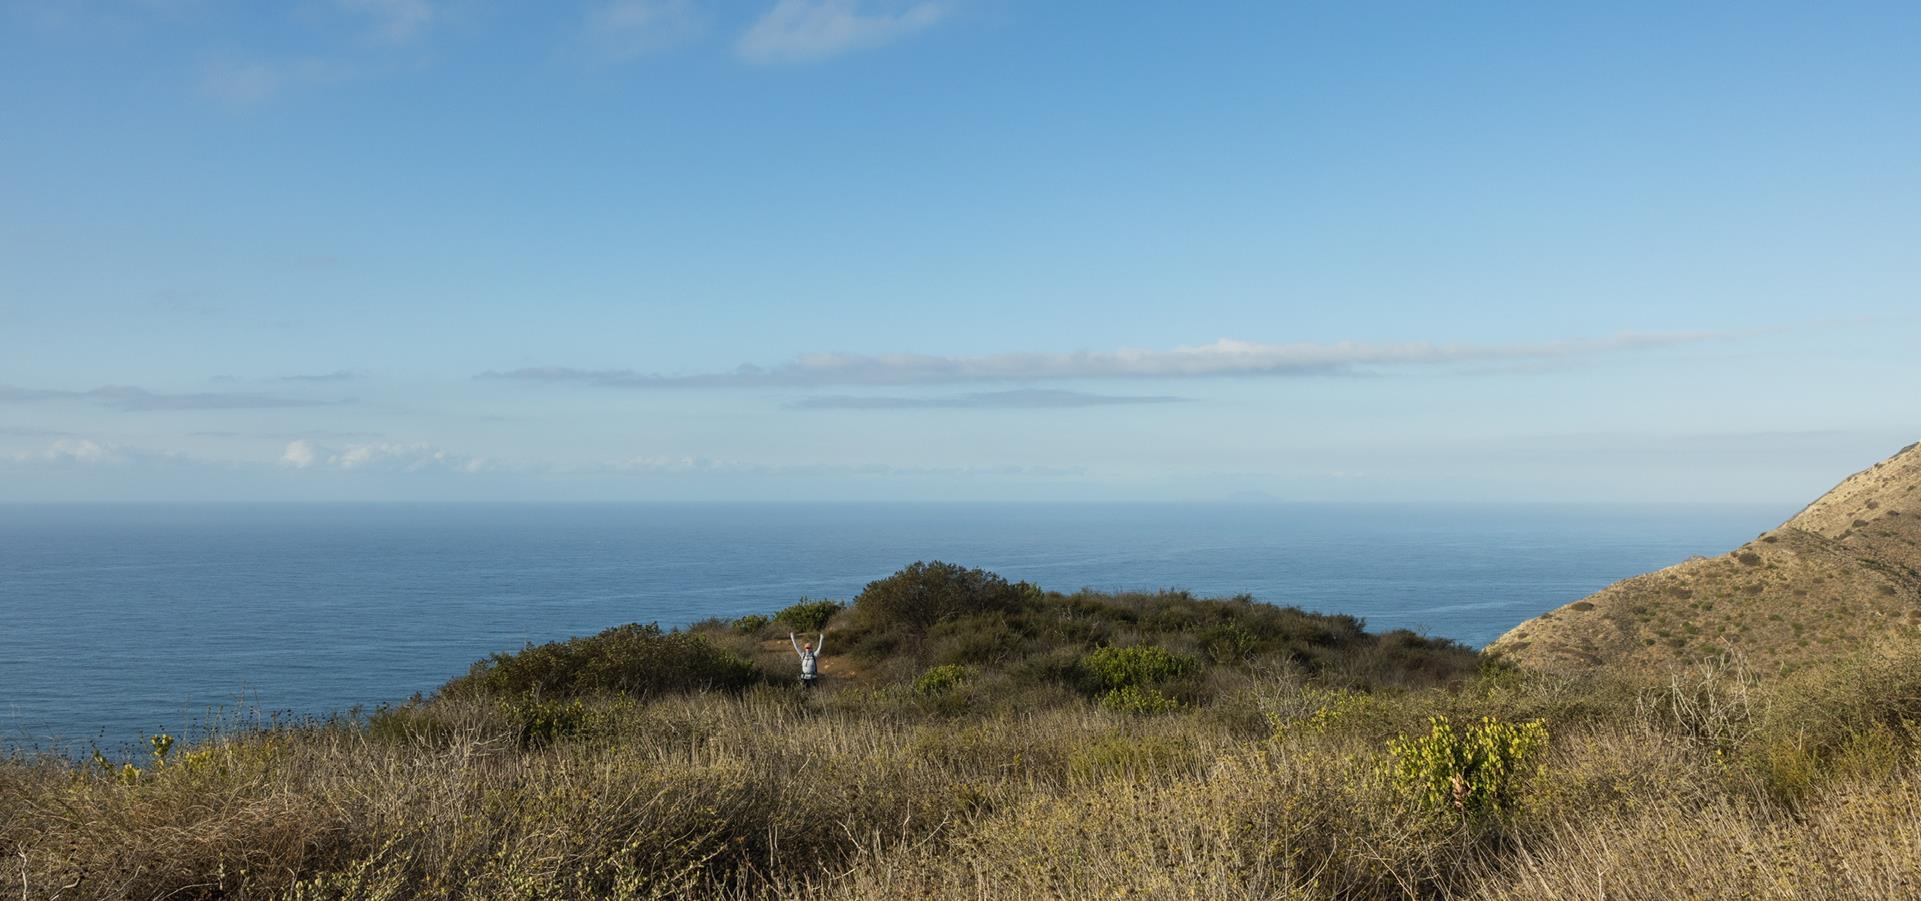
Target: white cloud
707, 466
380, 456
1019, 399
420, 457
395, 21
799, 31
74, 450
1223, 358
300, 454
251, 82
244, 83
621, 30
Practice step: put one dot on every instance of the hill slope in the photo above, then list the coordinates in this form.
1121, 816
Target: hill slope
1845, 570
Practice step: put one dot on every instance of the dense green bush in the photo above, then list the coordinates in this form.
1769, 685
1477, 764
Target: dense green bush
809, 616
938, 613
1137, 679
1140, 666
633, 659
942, 679
1476, 773
1228, 643
539, 723
1138, 699
923, 594
751, 624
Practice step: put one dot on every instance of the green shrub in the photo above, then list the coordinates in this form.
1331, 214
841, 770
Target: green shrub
1317, 711
419, 722
1138, 699
1057, 666
809, 616
1138, 666
633, 659
927, 593
942, 679
1228, 643
1860, 716
539, 723
751, 624
1477, 773
974, 639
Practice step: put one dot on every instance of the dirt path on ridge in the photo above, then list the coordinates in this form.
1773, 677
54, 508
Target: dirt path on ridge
833, 667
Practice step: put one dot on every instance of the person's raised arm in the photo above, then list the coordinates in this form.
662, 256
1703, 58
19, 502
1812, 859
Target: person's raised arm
820, 643
796, 643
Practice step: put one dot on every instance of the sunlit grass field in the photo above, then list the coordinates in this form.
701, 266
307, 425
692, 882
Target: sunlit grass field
975, 738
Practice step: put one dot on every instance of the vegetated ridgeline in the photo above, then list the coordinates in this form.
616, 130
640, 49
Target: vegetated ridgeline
1845, 570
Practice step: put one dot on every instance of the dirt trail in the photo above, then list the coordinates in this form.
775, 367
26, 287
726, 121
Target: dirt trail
835, 667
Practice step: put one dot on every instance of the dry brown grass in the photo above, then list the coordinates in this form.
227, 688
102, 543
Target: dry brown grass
1857, 840
1714, 786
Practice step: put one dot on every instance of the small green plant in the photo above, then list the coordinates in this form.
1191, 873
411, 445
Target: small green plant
1138, 700
1331, 709
125, 774
751, 624
1137, 666
809, 616
942, 679
1129, 754
543, 722
1476, 773
1230, 643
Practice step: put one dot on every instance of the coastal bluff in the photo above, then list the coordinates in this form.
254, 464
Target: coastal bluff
1843, 573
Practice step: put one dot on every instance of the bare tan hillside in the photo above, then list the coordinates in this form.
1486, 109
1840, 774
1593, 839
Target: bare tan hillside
1844, 571
1877, 511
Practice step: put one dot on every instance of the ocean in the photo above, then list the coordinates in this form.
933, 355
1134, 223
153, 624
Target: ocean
118, 621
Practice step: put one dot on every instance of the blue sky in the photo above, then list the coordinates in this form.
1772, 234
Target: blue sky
955, 250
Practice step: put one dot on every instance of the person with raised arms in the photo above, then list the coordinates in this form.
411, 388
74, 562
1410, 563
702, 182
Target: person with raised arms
808, 651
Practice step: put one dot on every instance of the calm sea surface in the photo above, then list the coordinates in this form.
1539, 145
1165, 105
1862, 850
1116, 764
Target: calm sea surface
118, 621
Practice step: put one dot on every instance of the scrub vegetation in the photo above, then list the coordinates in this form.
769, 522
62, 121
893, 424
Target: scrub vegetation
980, 738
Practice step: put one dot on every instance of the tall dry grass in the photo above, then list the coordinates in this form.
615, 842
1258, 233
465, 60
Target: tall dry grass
1711, 786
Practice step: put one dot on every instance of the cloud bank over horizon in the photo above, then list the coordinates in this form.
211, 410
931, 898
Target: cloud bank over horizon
1024, 399
1225, 358
137, 400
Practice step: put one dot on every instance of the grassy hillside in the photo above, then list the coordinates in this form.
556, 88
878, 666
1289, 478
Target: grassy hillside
1844, 572
936, 637
1876, 512
977, 738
